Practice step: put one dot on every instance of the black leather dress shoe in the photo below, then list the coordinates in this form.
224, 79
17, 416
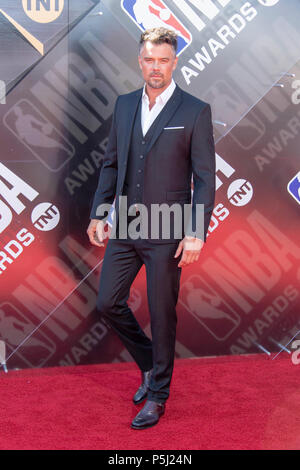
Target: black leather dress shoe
149, 415
141, 394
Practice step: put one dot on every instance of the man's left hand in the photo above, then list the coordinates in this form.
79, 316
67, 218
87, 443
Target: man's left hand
190, 248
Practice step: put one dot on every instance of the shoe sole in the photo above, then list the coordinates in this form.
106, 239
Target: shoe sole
143, 427
147, 425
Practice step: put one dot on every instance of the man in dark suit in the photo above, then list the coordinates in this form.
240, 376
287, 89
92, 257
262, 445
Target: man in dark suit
160, 138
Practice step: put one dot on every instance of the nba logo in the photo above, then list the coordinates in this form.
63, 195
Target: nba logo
154, 14
293, 187
47, 143
208, 308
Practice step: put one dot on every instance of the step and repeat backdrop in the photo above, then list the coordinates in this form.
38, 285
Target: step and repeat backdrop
62, 65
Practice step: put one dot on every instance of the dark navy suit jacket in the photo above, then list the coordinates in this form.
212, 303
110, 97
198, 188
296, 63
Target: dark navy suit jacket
172, 155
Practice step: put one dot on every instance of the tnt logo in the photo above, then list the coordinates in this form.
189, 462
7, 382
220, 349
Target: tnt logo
45, 216
154, 14
43, 11
240, 192
293, 187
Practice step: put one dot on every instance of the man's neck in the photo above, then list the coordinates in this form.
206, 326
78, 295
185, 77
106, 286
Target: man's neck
153, 93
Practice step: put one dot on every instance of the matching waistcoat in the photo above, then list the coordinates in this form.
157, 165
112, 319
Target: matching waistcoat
133, 186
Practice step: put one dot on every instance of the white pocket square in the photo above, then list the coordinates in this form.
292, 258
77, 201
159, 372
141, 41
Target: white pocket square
170, 128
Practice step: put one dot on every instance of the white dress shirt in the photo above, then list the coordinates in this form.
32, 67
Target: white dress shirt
149, 116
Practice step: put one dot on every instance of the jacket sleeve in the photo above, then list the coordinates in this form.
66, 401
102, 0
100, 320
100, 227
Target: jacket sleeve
203, 169
106, 189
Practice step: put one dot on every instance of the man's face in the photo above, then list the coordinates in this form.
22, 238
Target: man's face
157, 62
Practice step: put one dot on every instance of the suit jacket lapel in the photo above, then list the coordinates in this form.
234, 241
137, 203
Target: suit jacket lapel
165, 116
132, 109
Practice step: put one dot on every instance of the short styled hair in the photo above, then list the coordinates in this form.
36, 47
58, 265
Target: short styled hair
159, 36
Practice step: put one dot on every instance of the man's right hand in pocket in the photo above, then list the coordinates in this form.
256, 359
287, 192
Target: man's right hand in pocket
96, 232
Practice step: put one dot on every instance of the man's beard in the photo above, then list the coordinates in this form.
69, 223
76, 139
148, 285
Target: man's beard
156, 84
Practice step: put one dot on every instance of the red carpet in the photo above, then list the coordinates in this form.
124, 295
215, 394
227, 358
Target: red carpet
245, 402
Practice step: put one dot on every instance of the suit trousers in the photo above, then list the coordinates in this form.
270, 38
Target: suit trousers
122, 262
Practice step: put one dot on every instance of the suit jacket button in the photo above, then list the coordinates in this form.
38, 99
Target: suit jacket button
141, 156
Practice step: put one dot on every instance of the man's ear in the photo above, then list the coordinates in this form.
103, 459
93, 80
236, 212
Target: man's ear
175, 63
